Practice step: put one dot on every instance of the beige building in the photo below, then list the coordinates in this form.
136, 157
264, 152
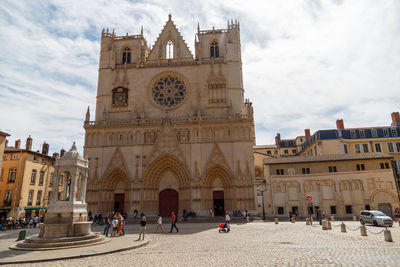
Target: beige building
341, 185
3, 140
26, 180
385, 139
172, 130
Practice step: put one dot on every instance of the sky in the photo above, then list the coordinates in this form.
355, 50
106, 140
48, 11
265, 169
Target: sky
305, 63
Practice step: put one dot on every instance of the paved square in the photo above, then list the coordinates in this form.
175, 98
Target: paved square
253, 244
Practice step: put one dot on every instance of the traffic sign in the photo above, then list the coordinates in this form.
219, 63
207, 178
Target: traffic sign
308, 198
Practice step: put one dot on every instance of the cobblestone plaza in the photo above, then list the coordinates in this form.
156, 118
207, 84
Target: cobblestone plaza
251, 244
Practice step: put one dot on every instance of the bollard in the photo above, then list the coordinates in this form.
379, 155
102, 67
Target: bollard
324, 225
307, 221
363, 230
329, 225
388, 235
354, 218
343, 228
292, 219
276, 221
332, 218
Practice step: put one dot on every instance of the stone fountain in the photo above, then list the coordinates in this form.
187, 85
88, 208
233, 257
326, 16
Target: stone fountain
65, 224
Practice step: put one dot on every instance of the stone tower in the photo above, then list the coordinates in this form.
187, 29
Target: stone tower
172, 131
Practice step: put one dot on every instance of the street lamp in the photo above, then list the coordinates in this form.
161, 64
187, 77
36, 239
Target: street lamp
262, 186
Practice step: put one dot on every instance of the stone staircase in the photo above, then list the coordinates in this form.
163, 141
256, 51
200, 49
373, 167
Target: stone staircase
36, 243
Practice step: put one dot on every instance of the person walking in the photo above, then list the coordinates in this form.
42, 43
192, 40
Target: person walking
319, 216
227, 220
159, 224
173, 222
107, 224
142, 230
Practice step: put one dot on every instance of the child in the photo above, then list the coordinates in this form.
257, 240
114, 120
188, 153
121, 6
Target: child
115, 225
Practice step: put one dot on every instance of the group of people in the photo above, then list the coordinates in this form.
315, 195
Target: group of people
21, 223
116, 221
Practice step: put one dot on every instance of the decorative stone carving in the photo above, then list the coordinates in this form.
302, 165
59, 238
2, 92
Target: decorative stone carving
166, 143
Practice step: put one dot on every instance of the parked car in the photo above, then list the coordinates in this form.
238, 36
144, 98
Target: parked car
375, 217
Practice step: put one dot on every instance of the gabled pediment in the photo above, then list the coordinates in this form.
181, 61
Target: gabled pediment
166, 143
117, 162
170, 33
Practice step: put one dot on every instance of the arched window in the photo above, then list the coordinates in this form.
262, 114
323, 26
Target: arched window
170, 50
126, 56
214, 49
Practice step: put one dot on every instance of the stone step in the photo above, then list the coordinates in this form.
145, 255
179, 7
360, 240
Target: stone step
36, 239
76, 243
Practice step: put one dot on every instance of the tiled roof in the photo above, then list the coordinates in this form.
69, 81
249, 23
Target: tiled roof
333, 157
13, 150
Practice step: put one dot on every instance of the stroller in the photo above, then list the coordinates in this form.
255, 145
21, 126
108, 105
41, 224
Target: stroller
224, 227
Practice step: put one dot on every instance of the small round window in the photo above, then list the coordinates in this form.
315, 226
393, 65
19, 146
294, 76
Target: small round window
168, 91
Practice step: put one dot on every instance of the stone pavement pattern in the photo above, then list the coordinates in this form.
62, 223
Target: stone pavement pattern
253, 244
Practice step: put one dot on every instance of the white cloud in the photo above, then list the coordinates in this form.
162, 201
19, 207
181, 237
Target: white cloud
305, 63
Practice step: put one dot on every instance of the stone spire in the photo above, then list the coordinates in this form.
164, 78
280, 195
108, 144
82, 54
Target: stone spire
87, 114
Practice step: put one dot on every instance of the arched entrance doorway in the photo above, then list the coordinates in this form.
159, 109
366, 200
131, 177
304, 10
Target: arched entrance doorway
166, 178
115, 193
168, 202
217, 190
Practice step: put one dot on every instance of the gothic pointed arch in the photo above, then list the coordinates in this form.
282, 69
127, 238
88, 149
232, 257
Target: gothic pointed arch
161, 165
115, 177
116, 164
217, 171
216, 158
166, 143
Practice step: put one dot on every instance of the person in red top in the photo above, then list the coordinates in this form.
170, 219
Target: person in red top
173, 222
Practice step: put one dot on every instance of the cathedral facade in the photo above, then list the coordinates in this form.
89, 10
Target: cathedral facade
172, 130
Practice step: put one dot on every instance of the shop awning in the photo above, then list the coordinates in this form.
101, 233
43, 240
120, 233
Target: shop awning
35, 208
5, 210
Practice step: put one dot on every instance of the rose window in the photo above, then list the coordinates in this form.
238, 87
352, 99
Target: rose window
169, 91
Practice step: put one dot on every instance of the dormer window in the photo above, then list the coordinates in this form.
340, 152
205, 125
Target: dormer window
214, 49
126, 56
170, 50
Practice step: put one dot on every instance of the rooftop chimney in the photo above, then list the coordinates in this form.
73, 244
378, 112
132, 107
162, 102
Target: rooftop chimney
18, 143
340, 124
6, 144
395, 119
45, 148
29, 143
307, 132
56, 155
62, 152
277, 138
